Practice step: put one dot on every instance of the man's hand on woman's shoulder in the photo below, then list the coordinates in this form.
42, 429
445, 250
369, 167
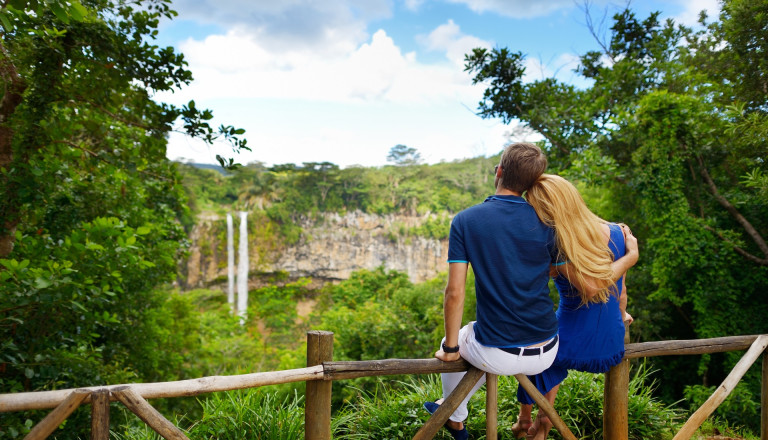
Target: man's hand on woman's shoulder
630, 241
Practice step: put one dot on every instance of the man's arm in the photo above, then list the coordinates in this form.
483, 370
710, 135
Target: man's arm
626, 317
453, 308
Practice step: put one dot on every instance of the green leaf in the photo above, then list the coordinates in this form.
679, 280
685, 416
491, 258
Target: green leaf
79, 306
77, 10
59, 12
42, 283
143, 230
94, 246
5, 22
30, 373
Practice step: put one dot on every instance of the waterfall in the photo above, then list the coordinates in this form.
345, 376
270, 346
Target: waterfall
230, 264
242, 269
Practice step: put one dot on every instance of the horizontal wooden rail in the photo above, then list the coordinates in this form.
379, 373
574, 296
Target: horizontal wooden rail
192, 387
390, 367
179, 388
688, 346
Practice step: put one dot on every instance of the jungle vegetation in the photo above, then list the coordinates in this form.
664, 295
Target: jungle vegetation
670, 137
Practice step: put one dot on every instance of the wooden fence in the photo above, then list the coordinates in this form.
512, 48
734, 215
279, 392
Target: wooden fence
321, 371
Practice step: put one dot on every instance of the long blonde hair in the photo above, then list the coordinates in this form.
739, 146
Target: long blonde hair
578, 232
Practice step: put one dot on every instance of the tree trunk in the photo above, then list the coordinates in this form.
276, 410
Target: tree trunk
14, 94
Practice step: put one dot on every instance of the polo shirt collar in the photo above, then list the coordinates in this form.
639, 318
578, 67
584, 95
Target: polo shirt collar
506, 198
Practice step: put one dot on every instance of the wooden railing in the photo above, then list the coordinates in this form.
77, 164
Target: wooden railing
321, 371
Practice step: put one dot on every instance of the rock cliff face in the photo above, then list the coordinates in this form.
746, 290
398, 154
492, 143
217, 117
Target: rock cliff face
330, 248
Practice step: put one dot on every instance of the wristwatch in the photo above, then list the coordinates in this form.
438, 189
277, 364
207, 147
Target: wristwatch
450, 349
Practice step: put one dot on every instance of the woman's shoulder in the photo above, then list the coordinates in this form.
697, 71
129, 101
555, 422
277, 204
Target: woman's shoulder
615, 237
606, 229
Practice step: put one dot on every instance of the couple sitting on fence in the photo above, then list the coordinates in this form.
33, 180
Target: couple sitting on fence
514, 245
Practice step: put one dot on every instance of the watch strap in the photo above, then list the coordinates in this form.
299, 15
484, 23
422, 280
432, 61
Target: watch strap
448, 349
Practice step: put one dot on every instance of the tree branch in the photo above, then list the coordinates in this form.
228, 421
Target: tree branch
116, 116
98, 157
751, 231
593, 31
739, 250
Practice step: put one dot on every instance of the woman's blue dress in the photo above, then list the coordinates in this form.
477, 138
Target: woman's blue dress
591, 335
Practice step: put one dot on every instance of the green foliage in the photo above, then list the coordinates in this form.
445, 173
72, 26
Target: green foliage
741, 407
364, 285
90, 208
250, 414
580, 403
403, 155
394, 410
372, 307
434, 226
289, 192
73, 309
389, 412
714, 428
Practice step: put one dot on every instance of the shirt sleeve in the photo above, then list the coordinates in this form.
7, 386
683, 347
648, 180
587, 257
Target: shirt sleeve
457, 251
554, 253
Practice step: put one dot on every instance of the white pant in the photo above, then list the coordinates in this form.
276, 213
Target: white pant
492, 360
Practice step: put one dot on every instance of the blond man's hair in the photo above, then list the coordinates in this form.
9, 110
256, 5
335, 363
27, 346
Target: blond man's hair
578, 232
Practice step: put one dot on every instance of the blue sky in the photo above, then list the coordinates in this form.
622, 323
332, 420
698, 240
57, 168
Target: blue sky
344, 81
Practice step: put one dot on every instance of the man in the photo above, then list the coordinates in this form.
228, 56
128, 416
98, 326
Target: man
510, 251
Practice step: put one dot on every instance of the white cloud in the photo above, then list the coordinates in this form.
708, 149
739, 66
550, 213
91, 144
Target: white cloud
238, 65
518, 8
690, 15
414, 5
291, 24
448, 38
348, 108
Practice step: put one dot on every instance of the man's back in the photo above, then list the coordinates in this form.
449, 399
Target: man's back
510, 251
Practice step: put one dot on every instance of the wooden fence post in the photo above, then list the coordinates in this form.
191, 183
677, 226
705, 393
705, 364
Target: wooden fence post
616, 399
317, 404
100, 414
491, 406
764, 399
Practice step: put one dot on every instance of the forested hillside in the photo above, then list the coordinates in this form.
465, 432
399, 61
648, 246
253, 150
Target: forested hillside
670, 137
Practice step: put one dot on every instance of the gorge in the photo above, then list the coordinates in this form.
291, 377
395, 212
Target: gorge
330, 247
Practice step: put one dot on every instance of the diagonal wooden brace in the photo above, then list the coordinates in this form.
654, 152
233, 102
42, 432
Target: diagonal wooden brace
450, 404
146, 412
545, 406
59, 414
720, 394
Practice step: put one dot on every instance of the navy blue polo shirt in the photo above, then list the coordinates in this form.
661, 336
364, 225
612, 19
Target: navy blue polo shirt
510, 251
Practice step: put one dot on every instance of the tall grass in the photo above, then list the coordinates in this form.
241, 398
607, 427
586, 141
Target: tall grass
252, 414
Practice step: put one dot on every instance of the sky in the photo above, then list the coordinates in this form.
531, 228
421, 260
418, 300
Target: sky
344, 81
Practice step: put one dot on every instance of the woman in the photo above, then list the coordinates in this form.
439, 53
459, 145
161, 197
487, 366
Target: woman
592, 294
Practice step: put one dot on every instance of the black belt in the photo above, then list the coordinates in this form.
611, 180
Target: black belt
532, 351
